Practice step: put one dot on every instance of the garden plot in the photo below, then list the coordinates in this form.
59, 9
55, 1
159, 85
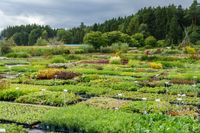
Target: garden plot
157, 89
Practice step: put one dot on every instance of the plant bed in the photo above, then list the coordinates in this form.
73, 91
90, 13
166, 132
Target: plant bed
49, 98
22, 114
95, 62
95, 120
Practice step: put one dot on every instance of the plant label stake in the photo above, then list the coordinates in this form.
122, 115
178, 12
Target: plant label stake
158, 101
145, 104
56, 76
43, 90
65, 92
179, 100
118, 95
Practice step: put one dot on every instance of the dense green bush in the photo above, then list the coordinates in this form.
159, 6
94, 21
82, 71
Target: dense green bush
134, 43
41, 42
58, 59
138, 39
161, 43
5, 49
120, 47
150, 41
95, 39
115, 60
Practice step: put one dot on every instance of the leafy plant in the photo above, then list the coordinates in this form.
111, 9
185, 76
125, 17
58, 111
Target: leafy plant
115, 60
156, 65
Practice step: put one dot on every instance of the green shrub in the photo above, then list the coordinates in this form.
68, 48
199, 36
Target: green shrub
150, 41
4, 84
5, 46
87, 48
12, 94
41, 42
134, 43
5, 49
115, 60
197, 43
95, 39
58, 59
156, 65
161, 43
120, 47
140, 39
18, 55
107, 49
190, 50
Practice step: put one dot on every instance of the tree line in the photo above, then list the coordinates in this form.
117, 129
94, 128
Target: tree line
167, 23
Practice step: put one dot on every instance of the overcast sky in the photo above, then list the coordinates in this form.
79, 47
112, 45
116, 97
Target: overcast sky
70, 13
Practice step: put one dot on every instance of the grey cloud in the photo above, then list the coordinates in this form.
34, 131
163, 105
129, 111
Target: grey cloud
70, 13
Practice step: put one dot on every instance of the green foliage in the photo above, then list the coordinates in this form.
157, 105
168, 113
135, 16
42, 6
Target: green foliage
27, 34
42, 51
115, 60
13, 93
55, 42
161, 43
184, 89
190, 50
120, 47
139, 37
152, 90
12, 128
18, 55
116, 37
33, 36
150, 41
95, 39
26, 114
134, 43
107, 49
195, 36
87, 48
133, 25
49, 98
4, 84
58, 59
5, 47
41, 42
91, 119
149, 106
